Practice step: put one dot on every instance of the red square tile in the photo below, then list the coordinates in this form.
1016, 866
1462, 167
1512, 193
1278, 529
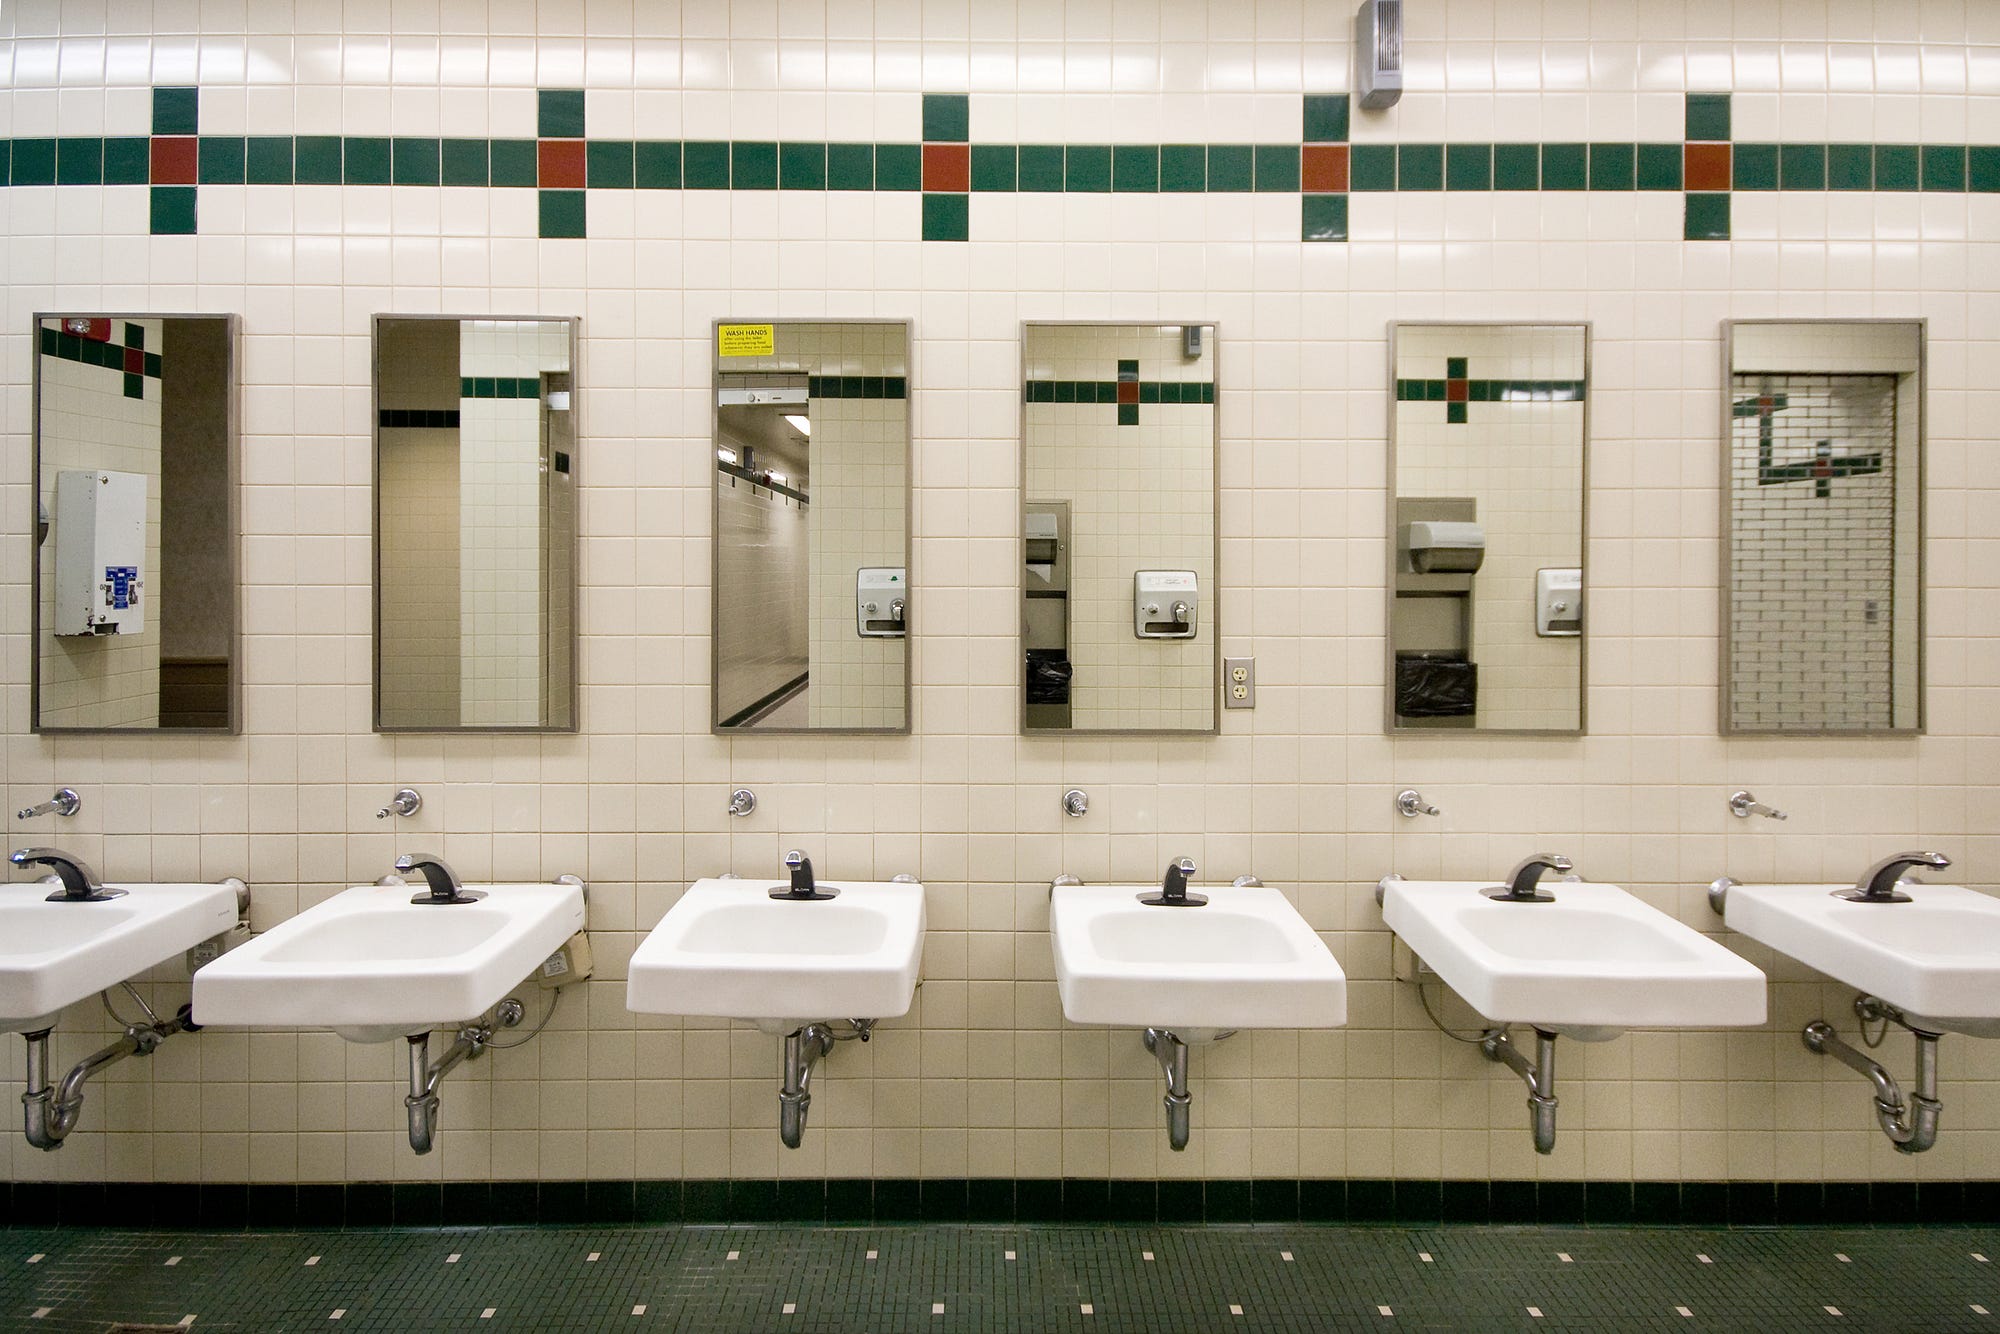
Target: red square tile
1456, 391
174, 160
1705, 167
1323, 169
1128, 391
135, 361
561, 164
948, 167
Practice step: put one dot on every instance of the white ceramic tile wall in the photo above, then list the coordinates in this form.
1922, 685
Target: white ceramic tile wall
984, 1078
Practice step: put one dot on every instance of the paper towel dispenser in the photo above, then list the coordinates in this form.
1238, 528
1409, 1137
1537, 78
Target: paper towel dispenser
1164, 604
1440, 547
880, 599
100, 552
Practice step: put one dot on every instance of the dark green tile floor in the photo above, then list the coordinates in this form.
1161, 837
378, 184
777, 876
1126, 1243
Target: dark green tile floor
1023, 1278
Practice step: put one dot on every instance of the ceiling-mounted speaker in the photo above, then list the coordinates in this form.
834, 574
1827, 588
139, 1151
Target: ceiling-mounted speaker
1378, 53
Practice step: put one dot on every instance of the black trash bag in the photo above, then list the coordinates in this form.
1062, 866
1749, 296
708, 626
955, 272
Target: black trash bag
1048, 679
1436, 685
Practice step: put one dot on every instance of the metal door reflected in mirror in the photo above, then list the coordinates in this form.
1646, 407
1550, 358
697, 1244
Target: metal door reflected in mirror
1822, 579
812, 526
135, 523
1486, 491
475, 524
1119, 553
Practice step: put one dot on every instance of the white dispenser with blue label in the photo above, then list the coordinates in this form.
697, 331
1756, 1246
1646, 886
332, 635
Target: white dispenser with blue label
100, 542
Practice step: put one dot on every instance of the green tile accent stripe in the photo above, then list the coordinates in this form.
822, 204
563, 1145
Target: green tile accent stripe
857, 386
1106, 391
488, 386
1493, 391
122, 352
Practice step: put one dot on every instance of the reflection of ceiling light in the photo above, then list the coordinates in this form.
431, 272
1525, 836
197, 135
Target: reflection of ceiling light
800, 422
726, 455
558, 400
778, 478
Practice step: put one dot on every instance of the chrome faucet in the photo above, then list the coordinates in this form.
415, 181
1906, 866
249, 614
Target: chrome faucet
1878, 883
444, 883
79, 882
1521, 881
802, 889
1173, 889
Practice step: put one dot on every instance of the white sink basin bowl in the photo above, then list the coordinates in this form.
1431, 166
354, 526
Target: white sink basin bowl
1591, 964
728, 950
371, 965
1936, 958
1244, 959
55, 954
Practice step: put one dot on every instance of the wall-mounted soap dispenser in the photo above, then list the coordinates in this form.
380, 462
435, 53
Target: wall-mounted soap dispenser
881, 596
1165, 604
1559, 603
100, 553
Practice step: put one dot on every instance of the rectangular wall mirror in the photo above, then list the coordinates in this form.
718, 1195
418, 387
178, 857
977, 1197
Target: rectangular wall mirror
812, 526
1822, 577
1487, 485
1119, 606
135, 523
475, 524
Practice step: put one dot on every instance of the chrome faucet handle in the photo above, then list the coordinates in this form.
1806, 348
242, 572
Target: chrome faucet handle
407, 801
1075, 802
64, 802
742, 801
1744, 804
1410, 804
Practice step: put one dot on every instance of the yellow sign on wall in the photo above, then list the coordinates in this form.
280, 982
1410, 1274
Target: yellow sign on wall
745, 340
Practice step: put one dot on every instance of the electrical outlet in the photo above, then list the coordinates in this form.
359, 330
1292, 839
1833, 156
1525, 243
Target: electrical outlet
1239, 683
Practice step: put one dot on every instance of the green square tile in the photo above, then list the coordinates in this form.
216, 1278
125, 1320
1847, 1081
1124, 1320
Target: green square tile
1614, 166
1128, 367
135, 386
1850, 167
267, 159
1371, 167
562, 213
128, 160
173, 210
316, 159
1468, 166
1802, 166
1231, 168
1183, 168
1565, 166
1659, 166
993, 167
221, 160
753, 165
946, 217
1896, 166
1454, 414
1323, 218
1420, 167
608, 164
1982, 168
1128, 414
1151, 391
1708, 116
1087, 168
1707, 217
1756, 167
705, 164
850, 166
802, 166
1517, 167
947, 118
1326, 119
462, 161
899, 167
1135, 169
656, 164
1277, 168
34, 162
1042, 168
414, 161
559, 114
514, 163
1944, 166
176, 111
365, 161
1457, 368
80, 161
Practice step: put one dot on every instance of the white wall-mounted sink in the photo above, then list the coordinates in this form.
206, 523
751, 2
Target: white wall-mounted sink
55, 954
1244, 959
1936, 958
371, 965
728, 950
1591, 964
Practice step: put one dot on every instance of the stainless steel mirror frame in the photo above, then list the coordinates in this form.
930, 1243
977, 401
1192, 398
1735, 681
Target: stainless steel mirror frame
715, 528
375, 521
1583, 547
233, 326
1723, 725
1214, 615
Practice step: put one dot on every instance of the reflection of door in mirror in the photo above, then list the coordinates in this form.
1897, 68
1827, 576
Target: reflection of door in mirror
1118, 608
1821, 590
475, 524
1486, 614
136, 604
811, 526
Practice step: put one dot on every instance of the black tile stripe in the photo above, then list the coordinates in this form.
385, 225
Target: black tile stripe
857, 386
504, 386
67, 346
419, 418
